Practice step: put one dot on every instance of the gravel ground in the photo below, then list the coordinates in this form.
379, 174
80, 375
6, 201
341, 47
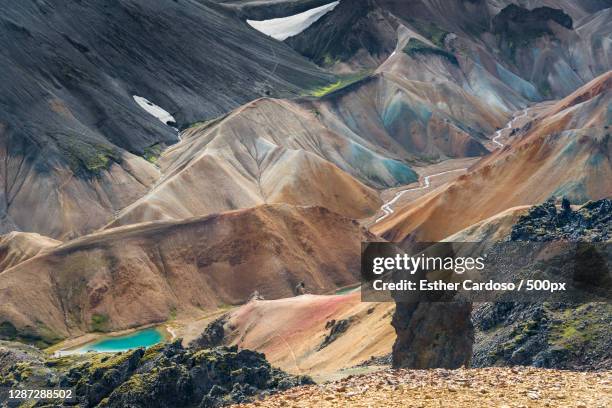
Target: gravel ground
486, 387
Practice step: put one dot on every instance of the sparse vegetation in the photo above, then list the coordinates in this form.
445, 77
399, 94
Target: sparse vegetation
152, 153
99, 322
329, 61
86, 157
205, 123
342, 82
9, 332
577, 327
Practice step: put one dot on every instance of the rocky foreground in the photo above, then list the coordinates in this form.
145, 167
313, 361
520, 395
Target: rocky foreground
487, 387
163, 376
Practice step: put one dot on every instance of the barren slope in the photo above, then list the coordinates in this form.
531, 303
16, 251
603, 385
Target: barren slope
269, 151
146, 273
540, 48
290, 332
274, 150
564, 152
69, 126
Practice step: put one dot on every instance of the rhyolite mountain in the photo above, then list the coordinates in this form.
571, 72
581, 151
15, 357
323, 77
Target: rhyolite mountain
546, 48
71, 132
298, 158
78, 147
144, 273
564, 151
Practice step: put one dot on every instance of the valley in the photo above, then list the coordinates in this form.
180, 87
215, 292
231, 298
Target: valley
184, 182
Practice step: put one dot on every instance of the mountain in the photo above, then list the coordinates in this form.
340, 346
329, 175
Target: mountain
544, 49
145, 273
71, 129
268, 151
358, 34
375, 130
564, 151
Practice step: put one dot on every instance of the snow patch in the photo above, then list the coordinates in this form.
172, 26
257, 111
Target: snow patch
153, 109
285, 27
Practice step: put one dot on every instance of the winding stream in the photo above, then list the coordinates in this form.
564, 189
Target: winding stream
425, 185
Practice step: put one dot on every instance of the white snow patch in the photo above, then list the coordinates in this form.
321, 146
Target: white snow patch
284, 27
153, 109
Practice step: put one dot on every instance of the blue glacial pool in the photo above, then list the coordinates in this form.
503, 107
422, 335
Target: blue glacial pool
142, 338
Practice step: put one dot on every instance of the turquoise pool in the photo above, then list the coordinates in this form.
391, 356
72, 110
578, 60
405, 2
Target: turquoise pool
349, 289
142, 338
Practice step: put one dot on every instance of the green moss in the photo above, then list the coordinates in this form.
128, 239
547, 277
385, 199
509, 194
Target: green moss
206, 123
152, 153
341, 83
85, 156
99, 322
578, 327
152, 352
136, 384
417, 47
521, 334
204, 355
62, 363
102, 361
328, 60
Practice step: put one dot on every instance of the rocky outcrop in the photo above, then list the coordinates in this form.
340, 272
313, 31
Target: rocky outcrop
358, 32
166, 375
545, 222
212, 336
553, 335
336, 329
521, 24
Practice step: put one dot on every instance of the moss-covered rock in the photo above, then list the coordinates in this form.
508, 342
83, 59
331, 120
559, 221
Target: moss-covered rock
165, 375
554, 335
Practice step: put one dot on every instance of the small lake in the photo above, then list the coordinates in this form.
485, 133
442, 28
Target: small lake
142, 338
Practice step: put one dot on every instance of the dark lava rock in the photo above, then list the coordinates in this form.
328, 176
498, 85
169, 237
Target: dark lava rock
521, 24
165, 375
212, 336
336, 329
432, 335
591, 223
553, 335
